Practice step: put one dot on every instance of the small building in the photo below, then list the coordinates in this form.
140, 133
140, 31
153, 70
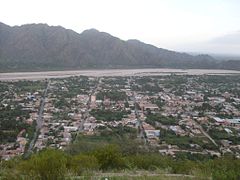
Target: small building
152, 133
148, 106
233, 121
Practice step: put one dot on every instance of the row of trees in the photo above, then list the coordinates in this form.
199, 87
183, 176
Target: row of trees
153, 118
112, 95
108, 115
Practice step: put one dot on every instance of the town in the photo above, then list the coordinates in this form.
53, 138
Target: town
168, 114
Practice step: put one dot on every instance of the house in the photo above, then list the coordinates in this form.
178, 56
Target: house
152, 133
219, 120
148, 106
70, 128
233, 122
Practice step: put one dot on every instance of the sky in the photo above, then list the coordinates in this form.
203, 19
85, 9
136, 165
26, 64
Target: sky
183, 25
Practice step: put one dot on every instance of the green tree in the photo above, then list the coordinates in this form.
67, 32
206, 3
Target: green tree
47, 165
110, 157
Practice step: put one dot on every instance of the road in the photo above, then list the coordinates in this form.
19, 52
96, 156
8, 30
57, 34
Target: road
206, 134
139, 124
85, 115
39, 121
141, 133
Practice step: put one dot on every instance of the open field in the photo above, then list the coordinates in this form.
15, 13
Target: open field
112, 72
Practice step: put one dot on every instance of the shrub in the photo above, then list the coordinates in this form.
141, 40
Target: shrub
109, 157
81, 163
47, 165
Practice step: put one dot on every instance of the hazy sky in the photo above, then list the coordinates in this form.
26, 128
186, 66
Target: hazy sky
174, 24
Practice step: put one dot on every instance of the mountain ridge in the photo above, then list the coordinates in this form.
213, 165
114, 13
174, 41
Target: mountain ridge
44, 47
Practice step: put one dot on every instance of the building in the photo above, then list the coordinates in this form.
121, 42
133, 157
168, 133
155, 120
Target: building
93, 98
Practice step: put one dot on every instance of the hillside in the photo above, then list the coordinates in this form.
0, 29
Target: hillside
41, 47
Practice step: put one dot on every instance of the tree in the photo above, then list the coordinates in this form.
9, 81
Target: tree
109, 157
47, 165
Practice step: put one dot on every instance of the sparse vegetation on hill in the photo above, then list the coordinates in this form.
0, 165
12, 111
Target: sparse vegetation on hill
52, 164
43, 47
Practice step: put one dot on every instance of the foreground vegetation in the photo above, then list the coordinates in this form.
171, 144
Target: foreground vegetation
55, 164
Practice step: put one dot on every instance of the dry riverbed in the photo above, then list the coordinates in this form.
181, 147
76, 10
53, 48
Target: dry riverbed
111, 72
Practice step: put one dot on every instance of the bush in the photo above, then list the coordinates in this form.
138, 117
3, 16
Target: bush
225, 168
109, 157
80, 163
46, 165
148, 161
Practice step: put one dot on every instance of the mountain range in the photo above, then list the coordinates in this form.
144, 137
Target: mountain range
34, 47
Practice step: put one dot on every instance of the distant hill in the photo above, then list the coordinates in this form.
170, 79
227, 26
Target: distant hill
34, 47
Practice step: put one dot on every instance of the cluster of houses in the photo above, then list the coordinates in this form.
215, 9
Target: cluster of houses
30, 103
62, 125
195, 114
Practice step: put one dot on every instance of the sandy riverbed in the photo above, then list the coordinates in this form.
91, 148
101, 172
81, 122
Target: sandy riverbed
111, 72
